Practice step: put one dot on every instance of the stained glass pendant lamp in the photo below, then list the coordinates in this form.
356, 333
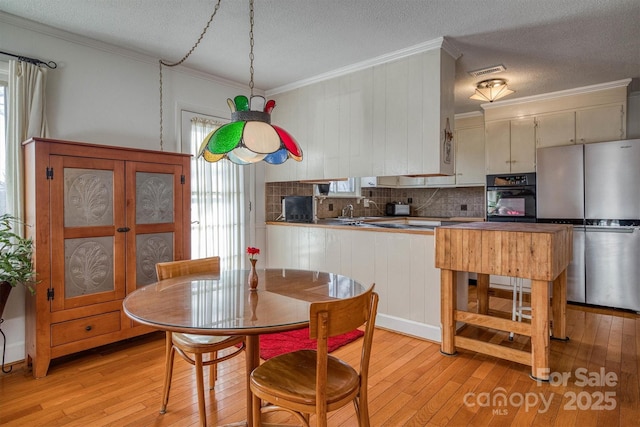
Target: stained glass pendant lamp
250, 137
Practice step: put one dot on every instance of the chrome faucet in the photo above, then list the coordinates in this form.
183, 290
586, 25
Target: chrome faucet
349, 208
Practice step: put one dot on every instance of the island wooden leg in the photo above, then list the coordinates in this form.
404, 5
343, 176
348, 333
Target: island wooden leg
448, 300
540, 330
559, 307
482, 291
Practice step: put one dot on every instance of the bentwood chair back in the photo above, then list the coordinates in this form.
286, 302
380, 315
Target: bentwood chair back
309, 382
192, 347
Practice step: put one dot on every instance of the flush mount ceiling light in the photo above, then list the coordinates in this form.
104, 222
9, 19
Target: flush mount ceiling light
490, 90
249, 137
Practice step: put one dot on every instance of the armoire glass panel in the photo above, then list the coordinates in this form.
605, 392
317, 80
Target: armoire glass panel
150, 250
88, 267
154, 198
88, 197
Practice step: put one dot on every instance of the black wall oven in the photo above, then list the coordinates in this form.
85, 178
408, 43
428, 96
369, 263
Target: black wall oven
511, 197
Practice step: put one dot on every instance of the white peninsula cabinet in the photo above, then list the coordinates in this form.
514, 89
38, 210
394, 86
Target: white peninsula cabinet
401, 265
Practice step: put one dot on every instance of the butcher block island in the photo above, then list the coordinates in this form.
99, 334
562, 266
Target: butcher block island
540, 252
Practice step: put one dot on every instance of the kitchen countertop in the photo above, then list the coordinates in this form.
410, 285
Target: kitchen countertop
393, 224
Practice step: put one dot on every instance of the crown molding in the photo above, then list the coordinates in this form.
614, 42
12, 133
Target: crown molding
468, 115
558, 94
438, 43
134, 55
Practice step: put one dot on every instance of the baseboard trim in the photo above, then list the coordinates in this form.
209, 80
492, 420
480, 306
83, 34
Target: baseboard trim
409, 327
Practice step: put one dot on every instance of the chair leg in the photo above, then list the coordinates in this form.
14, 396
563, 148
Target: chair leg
362, 410
168, 372
200, 388
213, 371
256, 404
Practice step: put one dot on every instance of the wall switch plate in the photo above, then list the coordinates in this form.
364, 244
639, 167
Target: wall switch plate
330, 206
365, 203
463, 207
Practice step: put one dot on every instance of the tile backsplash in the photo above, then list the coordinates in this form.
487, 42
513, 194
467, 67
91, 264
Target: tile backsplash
425, 202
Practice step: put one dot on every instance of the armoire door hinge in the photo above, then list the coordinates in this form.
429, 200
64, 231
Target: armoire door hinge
182, 179
49, 173
50, 294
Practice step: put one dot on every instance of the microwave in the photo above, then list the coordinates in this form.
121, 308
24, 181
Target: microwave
297, 208
396, 209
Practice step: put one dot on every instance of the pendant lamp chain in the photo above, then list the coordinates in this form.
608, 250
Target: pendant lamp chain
169, 64
251, 45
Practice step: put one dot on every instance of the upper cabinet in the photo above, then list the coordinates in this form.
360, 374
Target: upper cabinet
556, 129
470, 147
584, 126
599, 124
400, 181
395, 118
579, 116
469, 155
510, 146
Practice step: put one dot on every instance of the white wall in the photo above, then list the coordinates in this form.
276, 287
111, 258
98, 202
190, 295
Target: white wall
106, 95
633, 115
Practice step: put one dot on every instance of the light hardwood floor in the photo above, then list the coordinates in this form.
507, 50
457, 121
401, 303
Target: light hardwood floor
411, 384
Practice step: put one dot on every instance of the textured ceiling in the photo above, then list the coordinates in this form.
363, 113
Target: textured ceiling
546, 45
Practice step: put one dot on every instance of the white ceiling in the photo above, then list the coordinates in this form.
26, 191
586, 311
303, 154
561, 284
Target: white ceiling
546, 45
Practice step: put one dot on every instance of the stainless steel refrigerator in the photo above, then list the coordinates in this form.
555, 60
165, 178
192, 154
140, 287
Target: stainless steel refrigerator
596, 187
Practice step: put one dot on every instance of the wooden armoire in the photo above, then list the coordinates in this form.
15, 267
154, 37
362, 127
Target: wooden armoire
100, 217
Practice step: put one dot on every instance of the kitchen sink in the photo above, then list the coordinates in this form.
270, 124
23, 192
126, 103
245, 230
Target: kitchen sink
363, 222
351, 218
401, 226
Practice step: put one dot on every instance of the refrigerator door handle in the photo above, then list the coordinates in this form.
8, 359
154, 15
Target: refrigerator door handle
602, 229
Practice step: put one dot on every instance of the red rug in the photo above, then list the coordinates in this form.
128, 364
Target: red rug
272, 345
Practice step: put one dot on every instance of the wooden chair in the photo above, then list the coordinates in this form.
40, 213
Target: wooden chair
309, 382
196, 345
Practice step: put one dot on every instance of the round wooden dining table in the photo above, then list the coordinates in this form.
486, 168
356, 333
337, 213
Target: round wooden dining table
223, 305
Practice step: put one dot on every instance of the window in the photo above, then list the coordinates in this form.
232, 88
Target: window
218, 198
345, 188
3, 137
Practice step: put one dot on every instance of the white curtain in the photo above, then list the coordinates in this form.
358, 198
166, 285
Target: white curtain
26, 119
217, 210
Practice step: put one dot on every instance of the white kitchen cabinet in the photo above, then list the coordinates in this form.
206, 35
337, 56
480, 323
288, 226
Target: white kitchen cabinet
380, 121
599, 124
368, 182
441, 181
289, 112
469, 157
556, 129
396, 160
401, 181
497, 143
470, 168
510, 146
523, 145
359, 141
596, 124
